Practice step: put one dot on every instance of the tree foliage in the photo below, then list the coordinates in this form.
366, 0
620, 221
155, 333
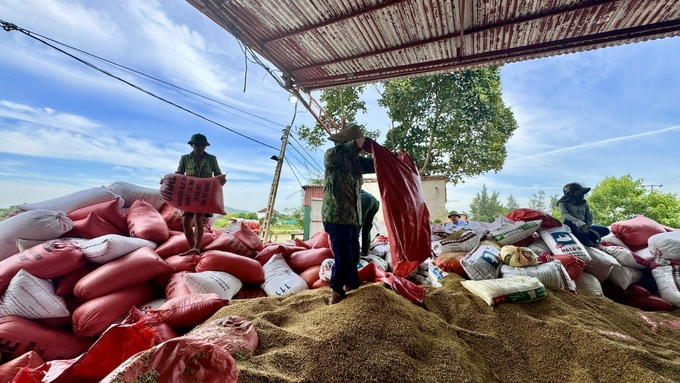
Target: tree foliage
618, 199
511, 203
454, 124
339, 104
537, 201
484, 208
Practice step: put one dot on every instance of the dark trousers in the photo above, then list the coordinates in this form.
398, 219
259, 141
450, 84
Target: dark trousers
369, 207
592, 237
345, 246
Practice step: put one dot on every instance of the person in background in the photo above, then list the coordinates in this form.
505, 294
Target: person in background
456, 222
233, 226
199, 164
369, 207
341, 209
578, 216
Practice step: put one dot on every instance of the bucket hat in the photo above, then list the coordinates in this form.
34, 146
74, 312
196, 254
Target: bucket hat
351, 132
575, 188
198, 138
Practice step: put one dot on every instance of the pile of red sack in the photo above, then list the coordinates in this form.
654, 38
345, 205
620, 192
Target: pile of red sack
72, 267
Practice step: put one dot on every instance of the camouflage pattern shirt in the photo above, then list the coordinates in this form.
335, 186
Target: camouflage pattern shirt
342, 185
206, 169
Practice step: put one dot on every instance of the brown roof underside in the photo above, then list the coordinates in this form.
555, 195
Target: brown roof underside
327, 43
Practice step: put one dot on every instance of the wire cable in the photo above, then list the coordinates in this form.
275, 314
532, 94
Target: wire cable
10, 27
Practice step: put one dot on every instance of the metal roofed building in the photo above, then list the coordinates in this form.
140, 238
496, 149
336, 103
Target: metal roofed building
319, 44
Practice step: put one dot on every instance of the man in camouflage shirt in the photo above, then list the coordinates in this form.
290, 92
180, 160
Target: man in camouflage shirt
341, 211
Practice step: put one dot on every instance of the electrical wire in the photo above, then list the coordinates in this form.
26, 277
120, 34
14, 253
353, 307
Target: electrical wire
10, 27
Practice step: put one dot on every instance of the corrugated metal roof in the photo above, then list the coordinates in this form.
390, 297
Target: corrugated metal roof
326, 43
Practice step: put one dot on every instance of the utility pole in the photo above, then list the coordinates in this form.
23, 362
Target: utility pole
651, 186
275, 184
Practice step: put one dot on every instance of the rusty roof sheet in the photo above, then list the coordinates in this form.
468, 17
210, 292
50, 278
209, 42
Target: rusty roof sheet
326, 43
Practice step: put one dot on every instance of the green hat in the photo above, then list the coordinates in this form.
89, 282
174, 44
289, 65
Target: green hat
350, 133
199, 139
453, 212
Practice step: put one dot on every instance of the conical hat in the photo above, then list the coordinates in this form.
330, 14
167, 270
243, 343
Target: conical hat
351, 132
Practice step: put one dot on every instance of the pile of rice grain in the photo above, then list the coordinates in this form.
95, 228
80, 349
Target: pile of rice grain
376, 335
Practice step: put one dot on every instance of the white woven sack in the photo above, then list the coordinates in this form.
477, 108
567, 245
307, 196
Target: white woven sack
380, 249
665, 245
560, 240
380, 262
589, 282
31, 297
623, 255
515, 231
551, 274
218, 282
645, 254
514, 289
23, 244
623, 276
667, 279
465, 242
39, 224
131, 193
484, 262
600, 264
326, 269
74, 201
280, 279
538, 246
613, 239
111, 246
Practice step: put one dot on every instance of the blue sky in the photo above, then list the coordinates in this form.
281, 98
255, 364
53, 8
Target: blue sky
65, 127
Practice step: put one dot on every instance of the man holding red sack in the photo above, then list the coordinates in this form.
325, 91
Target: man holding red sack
200, 164
341, 211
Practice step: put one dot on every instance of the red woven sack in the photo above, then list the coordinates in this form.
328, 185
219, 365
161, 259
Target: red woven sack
139, 266
302, 260
178, 244
197, 195
228, 242
92, 226
233, 333
145, 222
94, 316
405, 212
526, 215
635, 232
311, 275
177, 286
186, 312
249, 238
20, 335
246, 269
182, 359
172, 216
108, 210
9, 370
47, 260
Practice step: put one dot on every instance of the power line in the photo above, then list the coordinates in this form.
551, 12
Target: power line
10, 27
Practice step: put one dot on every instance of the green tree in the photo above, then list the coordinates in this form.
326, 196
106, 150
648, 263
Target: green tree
296, 213
4, 212
484, 208
618, 199
554, 210
454, 124
339, 104
537, 201
511, 203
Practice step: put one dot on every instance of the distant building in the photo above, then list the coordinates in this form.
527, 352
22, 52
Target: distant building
263, 212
